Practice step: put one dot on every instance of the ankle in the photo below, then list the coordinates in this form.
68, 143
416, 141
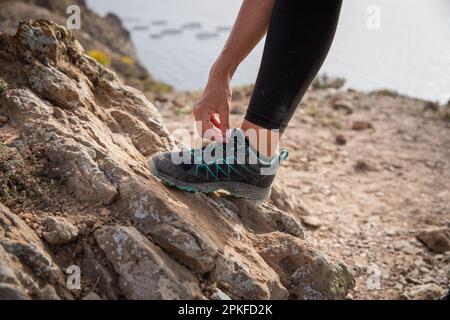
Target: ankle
265, 141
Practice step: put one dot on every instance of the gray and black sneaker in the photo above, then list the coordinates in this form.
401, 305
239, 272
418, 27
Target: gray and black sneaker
235, 167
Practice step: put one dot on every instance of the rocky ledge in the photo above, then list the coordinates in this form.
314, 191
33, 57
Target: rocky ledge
144, 241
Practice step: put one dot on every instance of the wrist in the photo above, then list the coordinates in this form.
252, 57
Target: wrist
222, 70
220, 73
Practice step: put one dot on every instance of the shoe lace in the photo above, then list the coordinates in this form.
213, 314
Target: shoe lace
282, 156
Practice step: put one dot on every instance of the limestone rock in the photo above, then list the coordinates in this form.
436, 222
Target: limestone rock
267, 217
103, 34
312, 221
305, 272
59, 231
3, 120
145, 271
93, 270
248, 278
24, 262
361, 125
428, 291
284, 200
343, 105
92, 296
341, 140
12, 292
219, 295
365, 165
437, 240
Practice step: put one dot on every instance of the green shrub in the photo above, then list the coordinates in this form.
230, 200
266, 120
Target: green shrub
154, 86
385, 93
445, 114
127, 60
3, 86
100, 56
325, 82
12, 182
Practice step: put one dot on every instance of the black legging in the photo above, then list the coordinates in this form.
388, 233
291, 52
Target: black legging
297, 43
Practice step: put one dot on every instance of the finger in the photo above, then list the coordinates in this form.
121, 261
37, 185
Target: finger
214, 120
206, 124
224, 121
197, 114
210, 132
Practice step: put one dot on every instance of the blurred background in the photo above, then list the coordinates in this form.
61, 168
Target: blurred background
410, 53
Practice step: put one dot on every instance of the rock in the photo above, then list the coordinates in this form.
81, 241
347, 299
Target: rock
95, 272
102, 36
12, 292
342, 105
366, 166
432, 106
428, 291
162, 97
341, 140
361, 125
285, 200
59, 231
49, 293
170, 224
26, 268
145, 271
398, 287
281, 198
219, 295
244, 279
437, 240
3, 119
409, 138
266, 217
403, 245
312, 221
305, 272
424, 270
92, 296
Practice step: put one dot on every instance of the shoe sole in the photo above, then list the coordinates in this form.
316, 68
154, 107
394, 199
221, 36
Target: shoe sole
236, 189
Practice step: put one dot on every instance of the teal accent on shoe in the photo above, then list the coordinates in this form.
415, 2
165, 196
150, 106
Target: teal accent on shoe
218, 169
284, 154
188, 189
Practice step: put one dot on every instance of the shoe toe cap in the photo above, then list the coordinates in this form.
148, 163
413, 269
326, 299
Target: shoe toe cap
161, 162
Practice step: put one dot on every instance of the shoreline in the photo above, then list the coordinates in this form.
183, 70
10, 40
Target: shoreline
424, 85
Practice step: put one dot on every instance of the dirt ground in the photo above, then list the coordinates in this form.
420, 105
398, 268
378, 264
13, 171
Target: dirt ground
371, 171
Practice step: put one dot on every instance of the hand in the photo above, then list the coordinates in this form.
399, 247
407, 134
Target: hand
213, 108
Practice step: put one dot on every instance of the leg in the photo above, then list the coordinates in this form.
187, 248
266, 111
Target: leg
299, 38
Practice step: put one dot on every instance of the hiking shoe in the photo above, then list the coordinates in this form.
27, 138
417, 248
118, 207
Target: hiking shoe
235, 167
